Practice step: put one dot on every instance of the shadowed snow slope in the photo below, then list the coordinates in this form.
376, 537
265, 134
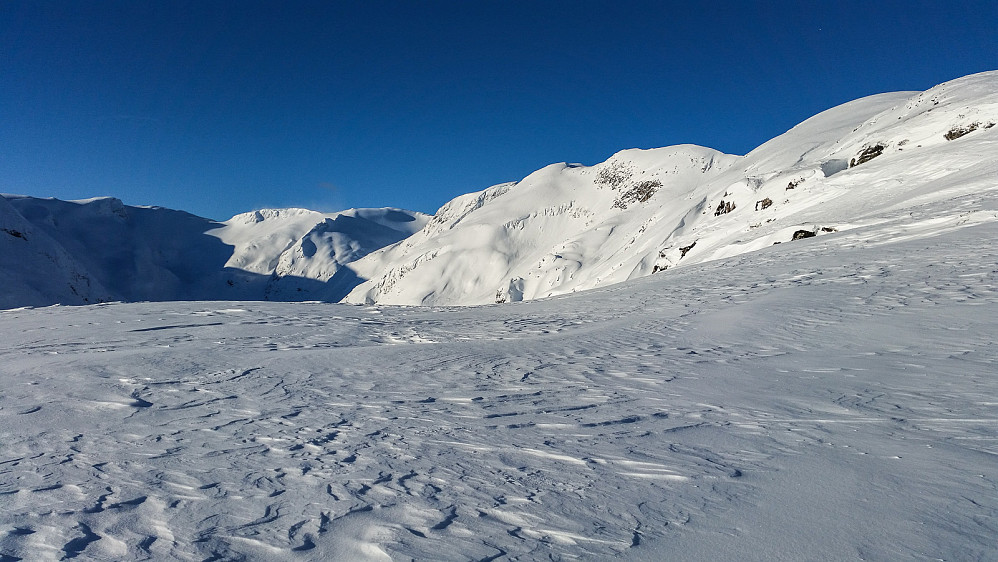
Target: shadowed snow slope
100, 249
566, 228
831, 399
35, 270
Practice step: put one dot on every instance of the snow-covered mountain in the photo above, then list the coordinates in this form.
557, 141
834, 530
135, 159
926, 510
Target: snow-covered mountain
78, 252
566, 228
303, 252
35, 270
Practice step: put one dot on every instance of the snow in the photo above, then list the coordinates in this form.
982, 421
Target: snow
663, 381
35, 270
98, 250
569, 228
302, 251
260, 237
831, 398
562, 229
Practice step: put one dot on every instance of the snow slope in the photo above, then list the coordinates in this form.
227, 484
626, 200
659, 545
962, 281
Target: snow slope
137, 253
35, 270
303, 252
133, 253
535, 235
831, 399
567, 228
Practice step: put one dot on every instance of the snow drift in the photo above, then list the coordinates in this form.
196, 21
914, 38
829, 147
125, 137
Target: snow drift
831, 399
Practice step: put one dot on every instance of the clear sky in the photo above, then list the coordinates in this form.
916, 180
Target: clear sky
223, 107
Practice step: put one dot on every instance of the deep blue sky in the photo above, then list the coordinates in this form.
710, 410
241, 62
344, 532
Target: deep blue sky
222, 107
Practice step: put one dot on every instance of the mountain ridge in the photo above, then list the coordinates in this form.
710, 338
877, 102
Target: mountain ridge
108, 251
807, 182
872, 163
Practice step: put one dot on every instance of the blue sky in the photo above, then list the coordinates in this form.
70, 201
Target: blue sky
222, 107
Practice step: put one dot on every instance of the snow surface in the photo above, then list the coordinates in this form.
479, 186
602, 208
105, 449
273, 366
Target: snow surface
302, 251
36, 271
834, 398
831, 397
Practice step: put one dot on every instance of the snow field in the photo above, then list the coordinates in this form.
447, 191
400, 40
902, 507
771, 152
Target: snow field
830, 398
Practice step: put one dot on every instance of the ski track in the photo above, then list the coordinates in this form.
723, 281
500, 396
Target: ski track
824, 397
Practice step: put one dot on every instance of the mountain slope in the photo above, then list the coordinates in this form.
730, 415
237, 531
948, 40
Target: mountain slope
567, 228
302, 251
35, 270
536, 234
133, 253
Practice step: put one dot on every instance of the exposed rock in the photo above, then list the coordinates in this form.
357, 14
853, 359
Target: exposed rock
684, 249
803, 234
614, 175
639, 193
794, 183
764, 204
958, 131
867, 154
724, 208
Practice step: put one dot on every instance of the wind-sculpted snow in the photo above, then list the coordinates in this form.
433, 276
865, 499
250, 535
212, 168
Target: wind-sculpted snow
832, 398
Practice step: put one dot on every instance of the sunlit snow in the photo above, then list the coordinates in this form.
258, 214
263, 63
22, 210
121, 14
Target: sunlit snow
830, 397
